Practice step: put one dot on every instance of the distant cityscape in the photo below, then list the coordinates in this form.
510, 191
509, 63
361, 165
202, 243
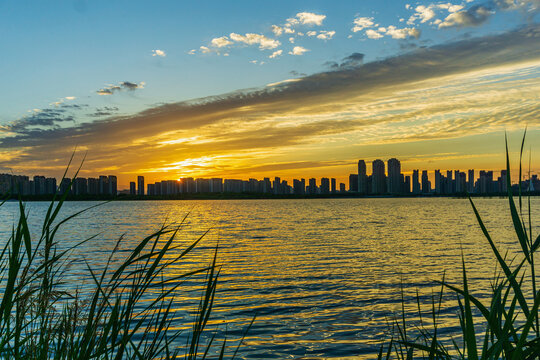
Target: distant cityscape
383, 180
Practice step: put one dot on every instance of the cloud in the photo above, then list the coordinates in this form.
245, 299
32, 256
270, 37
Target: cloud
361, 23
296, 73
256, 39
39, 118
159, 53
311, 33
425, 13
283, 82
104, 111
451, 7
372, 34
275, 54
302, 18
298, 50
124, 85
221, 42
205, 50
404, 33
473, 16
308, 18
355, 59
288, 29
62, 101
192, 52
326, 35
277, 30
472, 86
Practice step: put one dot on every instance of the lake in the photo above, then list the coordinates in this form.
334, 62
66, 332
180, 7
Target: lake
322, 275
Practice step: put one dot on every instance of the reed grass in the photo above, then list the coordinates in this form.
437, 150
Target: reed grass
506, 326
41, 318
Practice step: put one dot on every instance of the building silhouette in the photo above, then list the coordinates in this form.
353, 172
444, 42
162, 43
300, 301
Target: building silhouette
378, 177
415, 183
353, 182
140, 185
325, 186
394, 177
426, 184
362, 177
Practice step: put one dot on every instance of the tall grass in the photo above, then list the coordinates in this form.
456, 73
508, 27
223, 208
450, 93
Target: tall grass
504, 327
41, 317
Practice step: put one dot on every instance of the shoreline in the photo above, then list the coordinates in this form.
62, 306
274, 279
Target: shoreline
251, 196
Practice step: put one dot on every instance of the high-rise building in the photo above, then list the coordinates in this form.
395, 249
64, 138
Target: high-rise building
93, 186
362, 177
50, 186
140, 185
438, 182
461, 182
233, 185
113, 187
285, 188
188, 185
342, 188
297, 187
65, 186
216, 185
132, 188
504, 182
353, 182
267, 185
277, 185
325, 186
482, 182
426, 184
103, 185
39, 185
253, 185
312, 187
202, 185
415, 183
80, 186
394, 176
333, 185
449, 182
491, 188
378, 177
470, 182
407, 185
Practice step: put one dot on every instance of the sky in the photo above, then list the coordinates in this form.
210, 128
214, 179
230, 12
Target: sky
241, 89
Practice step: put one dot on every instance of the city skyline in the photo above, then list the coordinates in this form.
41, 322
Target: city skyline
246, 90
384, 179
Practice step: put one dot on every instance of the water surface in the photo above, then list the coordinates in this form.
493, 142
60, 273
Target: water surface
323, 275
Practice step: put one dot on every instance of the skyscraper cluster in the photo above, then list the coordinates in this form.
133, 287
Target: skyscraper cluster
379, 183
385, 179
218, 185
40, 185
393, 182
22, 185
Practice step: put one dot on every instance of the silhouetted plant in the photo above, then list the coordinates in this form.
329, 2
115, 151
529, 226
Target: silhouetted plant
509, 322
41, 319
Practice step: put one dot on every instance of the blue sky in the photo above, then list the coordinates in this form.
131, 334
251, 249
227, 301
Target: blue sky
114, 59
